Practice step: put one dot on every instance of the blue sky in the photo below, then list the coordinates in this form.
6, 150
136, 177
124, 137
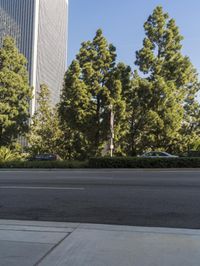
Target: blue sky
122, 24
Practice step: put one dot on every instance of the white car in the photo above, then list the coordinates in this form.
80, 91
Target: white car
158, 154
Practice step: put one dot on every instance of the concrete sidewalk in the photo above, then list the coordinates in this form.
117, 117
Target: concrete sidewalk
24, 243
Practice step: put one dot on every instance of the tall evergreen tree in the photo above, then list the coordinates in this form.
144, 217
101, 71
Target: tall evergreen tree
124, 74
74, 111
15, 93
45, 134
89, 90
191, 126
173, 82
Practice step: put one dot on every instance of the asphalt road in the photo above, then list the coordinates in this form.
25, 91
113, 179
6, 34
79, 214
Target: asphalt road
167, 198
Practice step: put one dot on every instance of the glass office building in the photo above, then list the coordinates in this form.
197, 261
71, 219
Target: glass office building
40, 30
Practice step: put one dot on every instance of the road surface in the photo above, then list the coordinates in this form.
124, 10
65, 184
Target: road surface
157, 198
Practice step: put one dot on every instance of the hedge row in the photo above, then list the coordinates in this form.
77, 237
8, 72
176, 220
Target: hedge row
105, 162
43, 164
134, 162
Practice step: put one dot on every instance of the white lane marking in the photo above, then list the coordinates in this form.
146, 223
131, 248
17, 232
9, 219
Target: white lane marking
47, 188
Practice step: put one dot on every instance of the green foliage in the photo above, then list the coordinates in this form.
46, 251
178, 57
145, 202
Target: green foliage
15, 93
43, 164
191, 126
154, 108
156, 116
45, 134
134, 162
72, 145
164, 110
157, 111
195, 145
89, 90
106, 162
7, 155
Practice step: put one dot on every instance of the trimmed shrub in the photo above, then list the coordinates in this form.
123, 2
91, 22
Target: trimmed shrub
106, 162
137, 162
43, 164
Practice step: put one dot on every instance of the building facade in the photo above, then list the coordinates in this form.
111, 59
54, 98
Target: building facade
40, 30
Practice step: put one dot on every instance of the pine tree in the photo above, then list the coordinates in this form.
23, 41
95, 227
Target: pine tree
74, 112
15, 93
123, 73
191, 126
172, 82
45, 134
89, 90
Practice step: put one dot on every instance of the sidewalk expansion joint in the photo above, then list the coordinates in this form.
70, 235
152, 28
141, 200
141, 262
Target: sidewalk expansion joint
54, 247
